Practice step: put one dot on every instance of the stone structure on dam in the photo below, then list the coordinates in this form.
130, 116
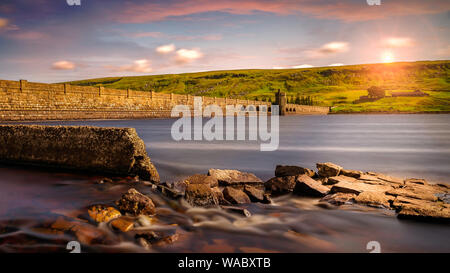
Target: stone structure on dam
27, 101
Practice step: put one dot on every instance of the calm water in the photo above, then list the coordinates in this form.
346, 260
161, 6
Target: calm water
400, 145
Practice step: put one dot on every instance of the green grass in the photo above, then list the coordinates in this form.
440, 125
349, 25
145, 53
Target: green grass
328, 86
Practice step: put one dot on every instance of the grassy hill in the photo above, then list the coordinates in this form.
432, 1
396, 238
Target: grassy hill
329, 86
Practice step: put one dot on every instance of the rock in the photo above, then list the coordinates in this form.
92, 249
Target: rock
171, 193
374, 199
267, 199
339, 198
351, 173
100, 213
85, 233
415, 181
136, 203
235, 178
305, 185
117, 151
235, 196
328, 169
282, 170
390, 179
416, 191
280, 185
202, 179
255, 195
218, 192
157, 238
341, 178
238, 210
201, 195
122, 224
444, 197
358, 187
427, 211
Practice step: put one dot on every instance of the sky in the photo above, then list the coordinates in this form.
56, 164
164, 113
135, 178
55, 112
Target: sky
58, 40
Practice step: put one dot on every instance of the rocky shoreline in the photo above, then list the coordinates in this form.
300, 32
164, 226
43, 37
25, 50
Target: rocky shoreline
229, 191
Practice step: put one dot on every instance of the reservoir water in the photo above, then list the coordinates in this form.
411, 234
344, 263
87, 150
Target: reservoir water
399, 145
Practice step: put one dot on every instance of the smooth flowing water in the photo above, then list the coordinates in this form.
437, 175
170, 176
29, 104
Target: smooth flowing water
398, 145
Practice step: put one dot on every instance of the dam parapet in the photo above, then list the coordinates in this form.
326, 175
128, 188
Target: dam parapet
28, 101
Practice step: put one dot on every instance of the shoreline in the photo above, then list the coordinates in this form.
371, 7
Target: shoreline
389, 113
159, 118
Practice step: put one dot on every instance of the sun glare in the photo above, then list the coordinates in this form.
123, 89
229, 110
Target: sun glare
387, 57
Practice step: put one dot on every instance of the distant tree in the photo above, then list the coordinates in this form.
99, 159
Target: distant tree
297, 100
376, 92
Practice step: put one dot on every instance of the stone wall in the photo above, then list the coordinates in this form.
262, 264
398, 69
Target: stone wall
23, 100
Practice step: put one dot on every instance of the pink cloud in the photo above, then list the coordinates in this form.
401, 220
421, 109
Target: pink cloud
140, 66
342, 10
187, 55
165, 49
63, 65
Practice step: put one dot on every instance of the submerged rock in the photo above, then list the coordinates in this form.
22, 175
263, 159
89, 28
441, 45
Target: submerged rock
328, 169
282, 170
234, 178
281, 185
235, 196
201, 195
101, 213
237, 210
136, 203
305, 185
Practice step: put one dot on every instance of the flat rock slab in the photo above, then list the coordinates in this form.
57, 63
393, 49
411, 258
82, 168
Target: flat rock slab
351, 173
358, 187
282, 170
117, 151
202, 179
235, 178
423, 192
341, 178
374, 199
307, 186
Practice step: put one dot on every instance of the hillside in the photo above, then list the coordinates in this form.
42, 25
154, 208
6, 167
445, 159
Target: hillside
329, 86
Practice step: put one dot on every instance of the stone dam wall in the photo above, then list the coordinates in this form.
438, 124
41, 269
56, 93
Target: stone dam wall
27, 101
117, 151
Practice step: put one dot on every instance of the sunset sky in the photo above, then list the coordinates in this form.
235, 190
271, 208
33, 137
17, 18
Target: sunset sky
50, 41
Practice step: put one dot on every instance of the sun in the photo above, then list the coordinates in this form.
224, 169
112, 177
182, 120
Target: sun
387, 57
